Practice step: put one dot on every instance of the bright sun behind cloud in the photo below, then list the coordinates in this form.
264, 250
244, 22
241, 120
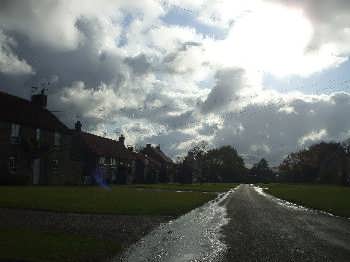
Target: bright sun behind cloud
271, 39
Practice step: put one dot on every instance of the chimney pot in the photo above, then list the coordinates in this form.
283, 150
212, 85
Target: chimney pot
121, 139
39, 100
78, 126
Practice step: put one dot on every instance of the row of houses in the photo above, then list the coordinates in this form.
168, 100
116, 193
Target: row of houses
37, 148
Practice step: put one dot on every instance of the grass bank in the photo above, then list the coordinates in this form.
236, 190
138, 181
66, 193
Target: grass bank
29, 245
117, 200
217, 187
333, 199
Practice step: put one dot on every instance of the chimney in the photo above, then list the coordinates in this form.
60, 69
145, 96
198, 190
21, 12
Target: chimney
148, 145
40, 99
121, 139
78, 126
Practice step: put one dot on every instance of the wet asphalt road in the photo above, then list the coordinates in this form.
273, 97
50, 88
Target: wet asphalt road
261, 228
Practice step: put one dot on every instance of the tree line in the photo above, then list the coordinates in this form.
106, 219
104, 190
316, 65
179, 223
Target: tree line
324, 162
327, 163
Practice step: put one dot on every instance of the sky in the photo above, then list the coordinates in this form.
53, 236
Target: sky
268, 77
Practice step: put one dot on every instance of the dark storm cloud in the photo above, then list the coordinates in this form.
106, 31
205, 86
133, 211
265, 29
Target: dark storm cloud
139, 64
228, 82
270, 131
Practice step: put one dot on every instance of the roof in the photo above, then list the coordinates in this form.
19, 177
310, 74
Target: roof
164, 156
157, 154
104, 146
21, 111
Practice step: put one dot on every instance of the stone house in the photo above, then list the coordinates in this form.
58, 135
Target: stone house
34, 144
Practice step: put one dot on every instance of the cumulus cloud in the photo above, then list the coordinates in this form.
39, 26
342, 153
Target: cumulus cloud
10, 63
120, 68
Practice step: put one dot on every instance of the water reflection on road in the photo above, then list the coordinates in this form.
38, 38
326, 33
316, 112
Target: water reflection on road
192, 237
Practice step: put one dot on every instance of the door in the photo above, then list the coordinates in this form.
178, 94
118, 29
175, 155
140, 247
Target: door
36, 171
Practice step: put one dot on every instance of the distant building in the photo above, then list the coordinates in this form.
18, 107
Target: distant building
162, 165
34, 144
103, 160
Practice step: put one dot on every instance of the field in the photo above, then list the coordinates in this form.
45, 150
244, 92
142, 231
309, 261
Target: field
117, 200
220, 187
333, 199
29, 245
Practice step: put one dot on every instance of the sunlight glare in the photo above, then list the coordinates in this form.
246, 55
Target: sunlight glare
271, 39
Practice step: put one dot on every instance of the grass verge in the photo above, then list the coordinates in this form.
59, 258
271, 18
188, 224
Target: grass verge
218, 187
117, 200
29, 245
333, 199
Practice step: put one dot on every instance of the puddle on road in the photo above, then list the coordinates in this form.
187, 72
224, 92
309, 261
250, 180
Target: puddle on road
192, 237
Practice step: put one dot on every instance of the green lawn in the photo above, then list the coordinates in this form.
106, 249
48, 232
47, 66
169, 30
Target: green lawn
219, 187
28, 245
333, 199
118, 200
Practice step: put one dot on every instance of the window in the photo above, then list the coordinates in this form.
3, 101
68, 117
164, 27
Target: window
54, 164
37, 134
101, 160
12, 164
15, 128
57, 141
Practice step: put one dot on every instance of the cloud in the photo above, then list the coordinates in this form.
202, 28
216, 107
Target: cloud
329, 18
264, 130
139, 64
313, 137
119, 68
228, 83
330, 21
9, 62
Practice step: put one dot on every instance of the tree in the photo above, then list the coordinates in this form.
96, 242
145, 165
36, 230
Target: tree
194, 162
215, 165
322, 162
223, 165
261, 172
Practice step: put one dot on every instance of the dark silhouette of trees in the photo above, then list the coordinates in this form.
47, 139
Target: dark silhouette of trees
261, 173
215, 165
321, 163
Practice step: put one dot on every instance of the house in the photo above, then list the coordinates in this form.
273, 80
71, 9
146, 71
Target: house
103, 160
34, 144
140, 164
161, 165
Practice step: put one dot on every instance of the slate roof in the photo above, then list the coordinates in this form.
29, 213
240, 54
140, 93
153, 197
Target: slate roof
17, 110
104, 146
157, 154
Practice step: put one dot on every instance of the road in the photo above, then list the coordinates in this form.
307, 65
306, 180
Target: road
194, 236
246, 225
262, 228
